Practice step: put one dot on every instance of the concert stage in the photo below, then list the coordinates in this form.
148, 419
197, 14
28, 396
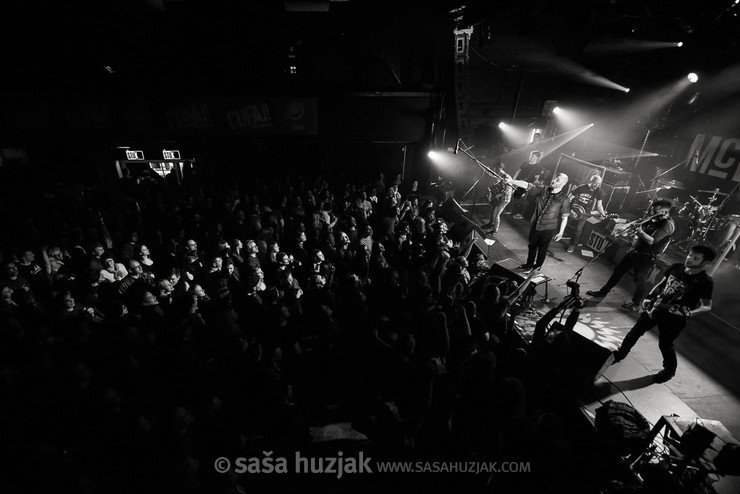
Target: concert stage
707, 383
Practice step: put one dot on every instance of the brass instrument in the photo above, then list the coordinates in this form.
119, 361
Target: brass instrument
630, 229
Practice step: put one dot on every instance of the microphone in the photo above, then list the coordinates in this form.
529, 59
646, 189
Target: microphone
457, 146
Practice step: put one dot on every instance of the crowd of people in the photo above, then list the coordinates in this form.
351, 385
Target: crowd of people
150, 328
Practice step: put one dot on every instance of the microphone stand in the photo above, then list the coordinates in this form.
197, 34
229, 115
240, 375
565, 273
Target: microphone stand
486, 170
669, 170
577, 275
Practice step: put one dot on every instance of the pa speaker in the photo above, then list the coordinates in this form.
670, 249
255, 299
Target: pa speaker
586, 359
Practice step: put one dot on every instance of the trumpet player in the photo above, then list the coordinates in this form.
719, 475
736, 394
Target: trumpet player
651, 236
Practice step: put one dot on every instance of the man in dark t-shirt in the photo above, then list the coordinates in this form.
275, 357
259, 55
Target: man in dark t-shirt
684, 291
531, 172
651, 238
582, 200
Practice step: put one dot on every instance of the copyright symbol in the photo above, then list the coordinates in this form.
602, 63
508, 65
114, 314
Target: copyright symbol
222, 465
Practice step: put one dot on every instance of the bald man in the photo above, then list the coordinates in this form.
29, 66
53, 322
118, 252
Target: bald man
584, 199
552, 208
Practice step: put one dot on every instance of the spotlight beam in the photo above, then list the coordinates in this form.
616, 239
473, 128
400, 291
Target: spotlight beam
545, 146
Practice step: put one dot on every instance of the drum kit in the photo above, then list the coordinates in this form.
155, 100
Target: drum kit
696, 221
699, 221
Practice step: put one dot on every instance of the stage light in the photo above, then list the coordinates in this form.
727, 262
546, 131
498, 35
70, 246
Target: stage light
626, 90
679, 44
432, 155
557, 110
692, 77
501, 125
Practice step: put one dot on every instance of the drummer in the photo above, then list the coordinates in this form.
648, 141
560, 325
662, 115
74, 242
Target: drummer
730, 213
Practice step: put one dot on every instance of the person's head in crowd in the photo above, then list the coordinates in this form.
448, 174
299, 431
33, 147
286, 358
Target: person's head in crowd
223, 294
6, 294
330, 241
109, 264
56, 253
229, 267
318, 256
301, 237
148, 299
133, 237
237, 245
200, 292
283, 259
257, 281
217, 263
165, 287
135, 268
367, 232
223, 247
97, 250
252, 248
174, 275
27, 256
418, 225
429, 215
66, 302
191, 247
343, 239
11, 270
144, 252
285, 278
491, 293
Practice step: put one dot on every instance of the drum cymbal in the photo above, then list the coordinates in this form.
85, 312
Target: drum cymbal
714, 192
674, 184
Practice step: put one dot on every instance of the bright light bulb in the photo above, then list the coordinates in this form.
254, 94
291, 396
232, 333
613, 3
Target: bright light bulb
679, 44
693, 77
557, 110
501, 125
626, 90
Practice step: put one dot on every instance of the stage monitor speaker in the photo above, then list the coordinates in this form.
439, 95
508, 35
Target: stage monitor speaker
586, 359
476, 253
460, 230
505, 268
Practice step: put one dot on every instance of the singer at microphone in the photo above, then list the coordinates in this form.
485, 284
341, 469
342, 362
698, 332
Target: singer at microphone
552, 209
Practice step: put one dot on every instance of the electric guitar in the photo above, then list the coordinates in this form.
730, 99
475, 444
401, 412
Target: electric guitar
578, 212
657, 304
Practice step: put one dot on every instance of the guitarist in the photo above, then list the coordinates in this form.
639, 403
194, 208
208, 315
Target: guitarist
687, 290
581, 200
499, 196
